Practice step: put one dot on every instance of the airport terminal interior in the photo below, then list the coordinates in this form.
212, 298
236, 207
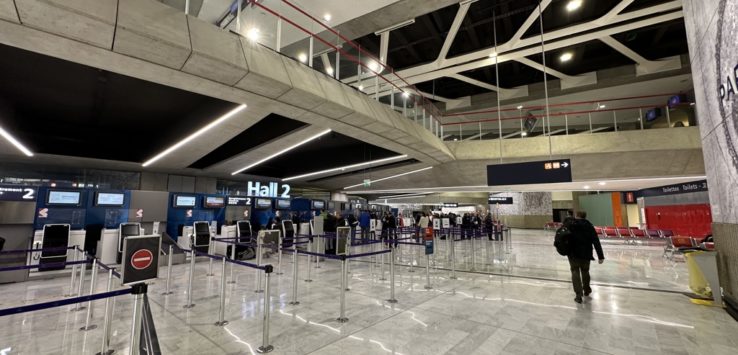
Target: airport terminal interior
368, 177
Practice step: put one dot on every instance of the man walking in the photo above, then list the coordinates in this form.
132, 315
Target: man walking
581, 240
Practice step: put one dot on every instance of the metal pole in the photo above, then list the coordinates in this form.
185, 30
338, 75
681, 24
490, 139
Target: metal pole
453, 261
82, 272
93, 279
566, 124
480, 131
392, 275
187, 7
473, 256
318, 240
310, 249
136, 324
615, 120
310, 51
294, 276
640, 117
108, 319
392, 98
75, 257
589, 114
338, 59
344, 270
279, 259
192, 276
258, 272
460, 134
427, 273
265, 347
381, 269
668, 116
210, 260
238, 17
169, 271
221, 314
278, 45
376, 86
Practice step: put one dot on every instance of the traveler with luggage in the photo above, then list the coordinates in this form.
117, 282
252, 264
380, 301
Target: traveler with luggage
576, 241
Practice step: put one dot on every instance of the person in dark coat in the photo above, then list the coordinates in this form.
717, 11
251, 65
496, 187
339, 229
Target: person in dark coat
569, 219
488, 225
581, 241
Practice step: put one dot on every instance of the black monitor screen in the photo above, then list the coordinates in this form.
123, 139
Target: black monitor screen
202, 228
318, 205
55, 236
214, 202
184, 200
63, 198
129, 229
283, 204
263, 203
115, 199
244, 228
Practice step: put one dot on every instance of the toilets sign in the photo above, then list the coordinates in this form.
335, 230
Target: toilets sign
271, 189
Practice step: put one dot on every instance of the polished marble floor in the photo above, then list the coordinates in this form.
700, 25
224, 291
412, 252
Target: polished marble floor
478, 313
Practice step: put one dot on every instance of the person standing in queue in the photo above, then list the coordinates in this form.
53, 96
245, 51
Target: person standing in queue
581, 240
364, 222
488, 225
422, 226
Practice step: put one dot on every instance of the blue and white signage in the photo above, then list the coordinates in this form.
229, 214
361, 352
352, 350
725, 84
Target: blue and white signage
272, 189
18, 193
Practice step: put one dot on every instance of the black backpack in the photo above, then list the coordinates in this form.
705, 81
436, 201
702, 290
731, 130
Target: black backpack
561, 240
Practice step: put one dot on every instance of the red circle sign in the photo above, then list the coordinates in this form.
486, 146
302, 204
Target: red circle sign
141, 259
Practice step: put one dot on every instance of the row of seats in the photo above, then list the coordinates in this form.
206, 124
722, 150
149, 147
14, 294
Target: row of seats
633, 233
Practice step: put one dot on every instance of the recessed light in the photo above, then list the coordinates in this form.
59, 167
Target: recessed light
18, 145
390, 177
456, 139
329, 70
586, 187
405, 94
602, 106
573, 5
566, 57
302, 57
344, 168
372, 65
361, 87
602, 183
691, 104
520, 107
253, 34
327, 17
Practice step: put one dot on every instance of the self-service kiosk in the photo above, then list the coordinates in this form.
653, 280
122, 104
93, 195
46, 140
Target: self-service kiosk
288, 231
124, 231
201, 237
55, 236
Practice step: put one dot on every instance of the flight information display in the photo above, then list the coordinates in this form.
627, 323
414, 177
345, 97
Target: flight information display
214, 202
284, 204
65, 198
262, 203
184, 201
109, 199
534, 172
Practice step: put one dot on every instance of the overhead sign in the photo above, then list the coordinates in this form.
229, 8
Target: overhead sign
18, 193
239, 201
535, 172
450, 204
141, 259
271, 189
500, 200
696, 186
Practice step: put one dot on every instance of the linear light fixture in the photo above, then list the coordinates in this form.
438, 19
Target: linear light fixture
394, 197
345, 167
389, 177
15, 142
285, 150
192, 136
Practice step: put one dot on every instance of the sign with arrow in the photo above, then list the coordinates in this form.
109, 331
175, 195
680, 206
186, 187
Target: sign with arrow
534, 172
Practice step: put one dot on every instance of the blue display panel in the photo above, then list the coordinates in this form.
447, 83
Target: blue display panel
109, 199
80, 208
186, 211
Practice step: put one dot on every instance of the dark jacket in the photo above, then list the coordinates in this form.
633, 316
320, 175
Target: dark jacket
583, 237
568, 221
329, 225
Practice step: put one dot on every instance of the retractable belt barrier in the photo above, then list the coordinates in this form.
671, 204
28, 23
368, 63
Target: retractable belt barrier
60, 264
64, 302
19, 251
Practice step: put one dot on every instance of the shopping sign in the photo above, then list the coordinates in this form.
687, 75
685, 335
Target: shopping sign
140, 259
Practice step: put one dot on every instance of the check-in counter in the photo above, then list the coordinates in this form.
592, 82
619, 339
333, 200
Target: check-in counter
76, 238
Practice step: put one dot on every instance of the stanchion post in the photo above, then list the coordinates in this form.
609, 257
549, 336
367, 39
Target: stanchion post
168, 290
473, 253
93, 280
294, 301
75, 257
453, 261
344, 271
82, 272
265, 347
192, 276
221, 312
318, 241
427, 273
392, 275
233, 257
279, 258
310, 249
107, 326
210, 260
138, 296
258, 272
381, 269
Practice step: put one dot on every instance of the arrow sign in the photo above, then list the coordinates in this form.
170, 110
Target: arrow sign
565, 164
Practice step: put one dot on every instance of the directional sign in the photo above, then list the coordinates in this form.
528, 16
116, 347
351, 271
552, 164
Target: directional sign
535, 172
140, 259
18, 193
501, 200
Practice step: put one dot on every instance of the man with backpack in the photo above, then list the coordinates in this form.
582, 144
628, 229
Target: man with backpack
576, 241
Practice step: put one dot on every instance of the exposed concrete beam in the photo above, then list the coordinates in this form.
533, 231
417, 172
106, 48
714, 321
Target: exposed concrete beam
383, 46
643, 65
451, 36
521, 91
567, 81
529, 22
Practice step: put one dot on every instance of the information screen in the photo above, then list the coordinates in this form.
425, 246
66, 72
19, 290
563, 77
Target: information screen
214, 202
184, 201
239, 201
284, 204
501, 200
65, 198
109, 199
535, 172
263, 203
318, 205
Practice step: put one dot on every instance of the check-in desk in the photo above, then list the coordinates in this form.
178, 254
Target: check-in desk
76, 238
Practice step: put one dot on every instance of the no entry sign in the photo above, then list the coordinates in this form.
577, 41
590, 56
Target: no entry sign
140, 259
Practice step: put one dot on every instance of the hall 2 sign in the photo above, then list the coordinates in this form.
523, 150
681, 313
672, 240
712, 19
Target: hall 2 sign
271, 189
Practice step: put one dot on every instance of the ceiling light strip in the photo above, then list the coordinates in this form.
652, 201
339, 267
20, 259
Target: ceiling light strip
192, 136
282, 151
390, 177
394, 197
345, 167
15, 142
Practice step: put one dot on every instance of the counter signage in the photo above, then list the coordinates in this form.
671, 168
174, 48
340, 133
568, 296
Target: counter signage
18, 193
239, 201
534, 172
494, 200
271, 189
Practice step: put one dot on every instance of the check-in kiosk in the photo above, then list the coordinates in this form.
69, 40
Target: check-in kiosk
126, 230
201, 236
288, 231
244, 234
54, 236
17, 211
